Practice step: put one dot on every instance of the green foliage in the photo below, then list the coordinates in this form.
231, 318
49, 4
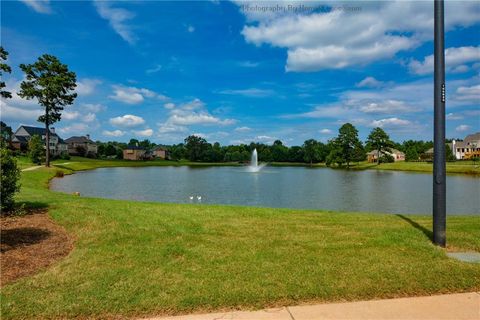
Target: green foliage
411, 154
386, 158
4, 68
52, 85
449, 156
5, 132
196, 148
379, 140
346, 147
36, 149
311, 151
10, 178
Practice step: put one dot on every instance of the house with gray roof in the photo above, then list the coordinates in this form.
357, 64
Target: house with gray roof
25, 133
81, 146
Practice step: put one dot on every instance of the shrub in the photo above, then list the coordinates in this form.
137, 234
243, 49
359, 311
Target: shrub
386, 158
10, 179
59, 174
64, 156
36, 151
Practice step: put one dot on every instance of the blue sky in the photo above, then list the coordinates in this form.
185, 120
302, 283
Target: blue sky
236, 72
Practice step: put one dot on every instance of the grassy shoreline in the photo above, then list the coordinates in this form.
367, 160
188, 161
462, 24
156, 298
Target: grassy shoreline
79, 164
143, 259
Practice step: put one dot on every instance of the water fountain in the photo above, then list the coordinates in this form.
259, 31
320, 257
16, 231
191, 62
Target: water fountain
254, 166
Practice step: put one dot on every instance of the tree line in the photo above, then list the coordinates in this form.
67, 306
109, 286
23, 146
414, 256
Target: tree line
344, 149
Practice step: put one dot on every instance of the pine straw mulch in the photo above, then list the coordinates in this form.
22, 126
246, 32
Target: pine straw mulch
30, 243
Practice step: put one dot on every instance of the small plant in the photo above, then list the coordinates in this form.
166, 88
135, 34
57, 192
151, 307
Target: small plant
59, 174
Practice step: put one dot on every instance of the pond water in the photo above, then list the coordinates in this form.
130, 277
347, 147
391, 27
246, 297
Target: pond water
281, 187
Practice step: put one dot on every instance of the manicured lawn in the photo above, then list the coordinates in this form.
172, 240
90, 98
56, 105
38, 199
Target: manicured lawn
138, 259
465, 167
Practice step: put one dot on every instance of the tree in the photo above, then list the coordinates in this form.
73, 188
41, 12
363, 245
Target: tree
195, 147
5, 133
35, 149
379, 140
52, 84
10, 177
348, 143
4, 68
411, 154
311, 151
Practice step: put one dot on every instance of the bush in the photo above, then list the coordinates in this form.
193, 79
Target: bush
59, 174
386, 158
64, 156
10, 179
36, 151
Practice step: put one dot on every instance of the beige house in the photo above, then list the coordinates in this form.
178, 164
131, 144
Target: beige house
468, 148
160, 152
134, 153
81, 145
397, 155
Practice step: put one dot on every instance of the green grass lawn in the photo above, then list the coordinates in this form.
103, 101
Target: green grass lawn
139, 259
458, 167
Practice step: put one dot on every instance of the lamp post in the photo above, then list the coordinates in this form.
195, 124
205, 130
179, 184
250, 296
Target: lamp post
439, 183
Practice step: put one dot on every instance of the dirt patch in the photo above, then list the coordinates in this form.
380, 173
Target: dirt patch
29, 243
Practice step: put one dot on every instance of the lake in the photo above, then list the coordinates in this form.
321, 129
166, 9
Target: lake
280, 187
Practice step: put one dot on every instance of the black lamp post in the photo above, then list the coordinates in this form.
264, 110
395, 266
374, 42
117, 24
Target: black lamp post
439, 183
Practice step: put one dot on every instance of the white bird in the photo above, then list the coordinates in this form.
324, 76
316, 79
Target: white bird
199, 198
191, 197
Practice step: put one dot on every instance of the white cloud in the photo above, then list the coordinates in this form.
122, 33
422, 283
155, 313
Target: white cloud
326, 131
40, 6
127, 121
463, 128
169, 105
133, 95
456, 60
93, 107
89, 117
390, 123
469, 94
70, 115
369, 82
86, 86
454, 116
114, 133
117, 18
190, 113
251, 92
190, 28
17, 113
76, 128
155, 69
248, 64
387, 106
340, 39
243, 129
143, 133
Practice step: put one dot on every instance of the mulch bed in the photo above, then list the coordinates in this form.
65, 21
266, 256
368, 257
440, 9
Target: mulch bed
30, 243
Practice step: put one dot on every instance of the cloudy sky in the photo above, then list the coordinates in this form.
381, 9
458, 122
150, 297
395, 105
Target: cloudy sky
236, 72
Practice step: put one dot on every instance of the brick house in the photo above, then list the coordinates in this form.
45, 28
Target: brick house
134, 153
81, 145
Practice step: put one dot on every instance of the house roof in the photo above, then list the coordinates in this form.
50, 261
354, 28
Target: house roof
472, 137
37, 131
134, 148
393, 151
21, 139
79, 139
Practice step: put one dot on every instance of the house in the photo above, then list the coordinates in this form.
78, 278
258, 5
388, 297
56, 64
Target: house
81, 146
134, 153
160, 152
468, 148
24, 133
397, 155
